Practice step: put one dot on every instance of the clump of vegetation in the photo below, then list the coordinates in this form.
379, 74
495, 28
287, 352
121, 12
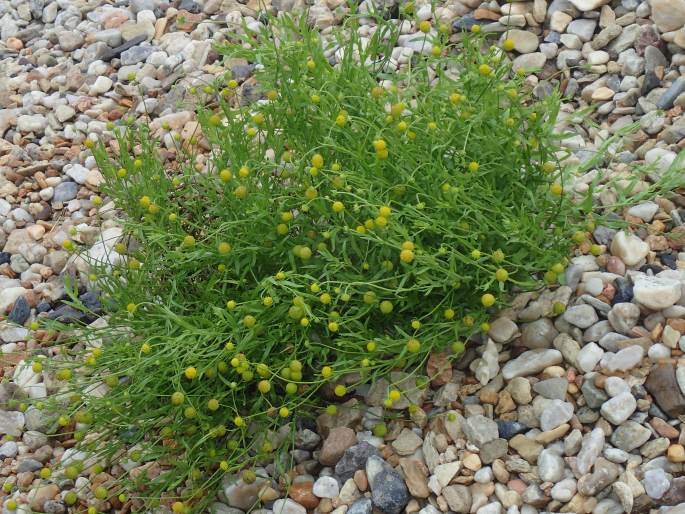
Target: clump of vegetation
347, 224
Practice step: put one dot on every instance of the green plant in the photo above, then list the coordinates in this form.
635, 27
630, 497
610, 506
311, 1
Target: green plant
348, 224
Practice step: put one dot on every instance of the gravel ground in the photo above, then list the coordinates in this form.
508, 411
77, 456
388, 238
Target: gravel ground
572, 413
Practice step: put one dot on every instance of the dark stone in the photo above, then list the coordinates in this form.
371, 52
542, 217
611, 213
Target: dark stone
651, 81
553, 37
91, 301
54, 507
508, 429
43, 307
663, 386
669, 96
624, 291
465, 23
116, 52
668, 259
242, 71
20, 311
190, 6
654, 268
354, 458
67, 314
389, 492
361, 506
5, 257
594, 397
675, 493
604, 235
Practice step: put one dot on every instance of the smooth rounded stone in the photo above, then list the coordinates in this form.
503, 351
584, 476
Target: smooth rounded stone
583, 28
624, 316
238, 494
361, 506
503, 330
658, 352
630, 435
571, 41
550, 466
530, 363
611, 340
581, 316
629, 248
594, 286
525, 42
389, 492
661, 158
590, 449
288, 506
656, 483
564, 490
529, 62
480, 430
645, 211
618, 409
520, 388
598, 57
326, 487
615, 455
538, 334
9, 450
615, 386
589, 357
458, 498
656, 293
623, 360
65, 191
556, 413
588, 5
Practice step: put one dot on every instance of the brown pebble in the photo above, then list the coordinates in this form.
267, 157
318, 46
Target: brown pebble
599, 381
360, 480
14, 43
676, 453
25, 479
488, 395
302, 493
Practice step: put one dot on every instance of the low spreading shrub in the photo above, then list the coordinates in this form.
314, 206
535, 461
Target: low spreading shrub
347, 224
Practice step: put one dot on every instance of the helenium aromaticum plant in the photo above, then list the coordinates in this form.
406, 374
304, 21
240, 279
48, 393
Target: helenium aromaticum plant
348, 223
